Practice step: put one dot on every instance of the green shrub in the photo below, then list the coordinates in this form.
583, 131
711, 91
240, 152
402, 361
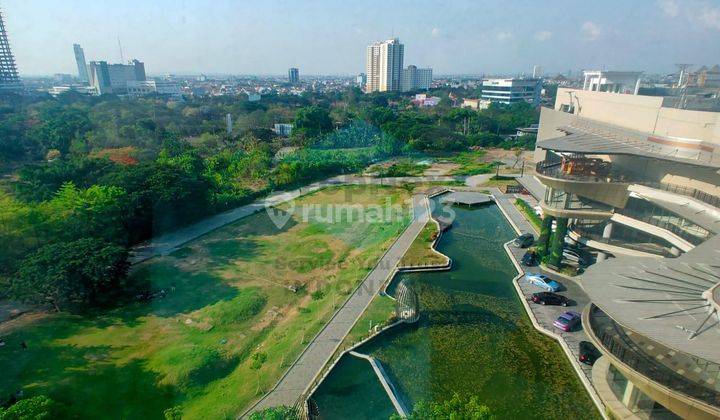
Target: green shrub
247, 303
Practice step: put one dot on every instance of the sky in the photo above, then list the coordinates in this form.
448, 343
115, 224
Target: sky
330, 36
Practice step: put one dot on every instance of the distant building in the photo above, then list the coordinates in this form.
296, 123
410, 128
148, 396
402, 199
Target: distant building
422, 100
708, 77
527, 131
99, 77
612, 81
475, 104
361, 79
81, 64
228, 124
537, 72
114, 78
384, 66
254, 97
9, 79
510, 91
283, 129
294, 76
414, 78
59, 90
149, 87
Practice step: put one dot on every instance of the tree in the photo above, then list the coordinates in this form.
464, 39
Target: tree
86, 271
456, 408
312, 121
35, 408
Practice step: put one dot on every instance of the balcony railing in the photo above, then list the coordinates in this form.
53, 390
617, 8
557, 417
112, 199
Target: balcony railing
649, 248
615, 339
554, 169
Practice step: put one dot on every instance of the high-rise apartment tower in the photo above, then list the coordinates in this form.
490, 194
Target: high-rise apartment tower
9, 79
384, 66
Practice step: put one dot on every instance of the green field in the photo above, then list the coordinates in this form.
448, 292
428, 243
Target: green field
240, 304
421, 252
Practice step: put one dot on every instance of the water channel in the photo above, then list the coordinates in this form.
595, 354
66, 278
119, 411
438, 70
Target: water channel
473, 338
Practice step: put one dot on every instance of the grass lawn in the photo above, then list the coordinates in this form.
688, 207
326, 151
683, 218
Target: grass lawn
229, 325
381, 311
472, 163
420, 251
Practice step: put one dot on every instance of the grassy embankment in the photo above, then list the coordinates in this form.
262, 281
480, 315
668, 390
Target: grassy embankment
529, 213
227, 329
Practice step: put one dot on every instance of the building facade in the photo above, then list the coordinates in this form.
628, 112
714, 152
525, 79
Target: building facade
414, 78
510, 91
114, 78
9, 79
294, 76
637, 184
81, 64
384, 66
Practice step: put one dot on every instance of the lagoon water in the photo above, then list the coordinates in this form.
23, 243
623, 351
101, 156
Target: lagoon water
473, 338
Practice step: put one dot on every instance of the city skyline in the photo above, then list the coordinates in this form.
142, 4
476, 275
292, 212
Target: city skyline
467, 38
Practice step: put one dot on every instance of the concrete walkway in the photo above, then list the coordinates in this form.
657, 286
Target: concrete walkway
167, 243
316, 355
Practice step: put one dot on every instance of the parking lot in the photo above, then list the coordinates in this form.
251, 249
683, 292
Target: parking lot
547, 314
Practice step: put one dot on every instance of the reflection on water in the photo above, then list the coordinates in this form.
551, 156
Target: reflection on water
473, 338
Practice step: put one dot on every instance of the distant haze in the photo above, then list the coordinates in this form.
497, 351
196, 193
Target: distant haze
329, 37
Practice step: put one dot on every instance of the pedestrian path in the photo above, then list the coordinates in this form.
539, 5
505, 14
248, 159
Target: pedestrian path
318, 353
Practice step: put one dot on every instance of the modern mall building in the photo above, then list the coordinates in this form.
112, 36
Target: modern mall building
638, 181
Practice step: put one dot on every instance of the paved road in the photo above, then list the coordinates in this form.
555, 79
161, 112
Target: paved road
164, 244
301, 374
546, 315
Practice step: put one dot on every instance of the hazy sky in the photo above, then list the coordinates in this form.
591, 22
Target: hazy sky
329, 37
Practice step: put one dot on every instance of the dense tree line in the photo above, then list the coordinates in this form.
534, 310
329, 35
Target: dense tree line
89, 177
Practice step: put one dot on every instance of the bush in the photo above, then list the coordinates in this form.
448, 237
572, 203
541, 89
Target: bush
248, 303
275, 413
35, 408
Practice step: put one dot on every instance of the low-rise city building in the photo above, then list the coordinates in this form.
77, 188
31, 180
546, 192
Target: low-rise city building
513, 90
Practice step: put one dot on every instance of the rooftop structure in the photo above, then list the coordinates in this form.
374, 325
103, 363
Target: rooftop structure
612, 81
466, 198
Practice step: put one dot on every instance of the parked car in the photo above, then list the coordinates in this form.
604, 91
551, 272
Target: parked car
588, 353
567, 321
543, 281
574, 258
524, 240
550, 298
530, 259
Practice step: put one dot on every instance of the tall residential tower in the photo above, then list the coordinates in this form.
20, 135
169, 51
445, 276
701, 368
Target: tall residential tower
384, 66
294, 76
81, 65
9, 79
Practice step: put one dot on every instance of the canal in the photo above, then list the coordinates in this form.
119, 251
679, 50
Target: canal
473, 338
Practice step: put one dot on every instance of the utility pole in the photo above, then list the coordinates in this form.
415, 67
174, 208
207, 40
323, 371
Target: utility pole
522, 168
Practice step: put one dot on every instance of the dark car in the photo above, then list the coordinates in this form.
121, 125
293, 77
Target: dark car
588, 353
550, 298
529, 259
524, 240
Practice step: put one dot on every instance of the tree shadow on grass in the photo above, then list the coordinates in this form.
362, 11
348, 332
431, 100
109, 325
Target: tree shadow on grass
85, 381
